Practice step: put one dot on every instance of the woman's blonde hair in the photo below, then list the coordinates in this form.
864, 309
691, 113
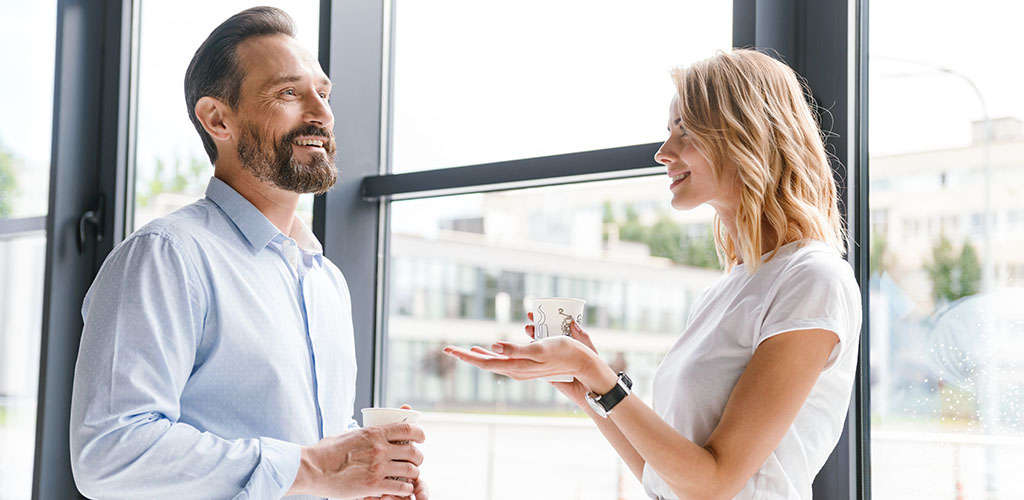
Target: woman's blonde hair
749, 109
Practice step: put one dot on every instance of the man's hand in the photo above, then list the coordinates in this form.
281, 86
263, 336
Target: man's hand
362, 463
420, 492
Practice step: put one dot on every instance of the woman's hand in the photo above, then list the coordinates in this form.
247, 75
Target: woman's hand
575, 390
543, 358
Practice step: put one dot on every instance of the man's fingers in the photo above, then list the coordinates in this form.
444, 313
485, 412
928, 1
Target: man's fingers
401, 469
395, 486
408, 453
403, 432
421, 491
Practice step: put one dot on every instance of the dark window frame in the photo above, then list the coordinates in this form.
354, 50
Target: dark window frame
823, 41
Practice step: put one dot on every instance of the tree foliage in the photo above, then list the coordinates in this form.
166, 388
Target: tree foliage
8, 182
179, 178
954, 275
665, 238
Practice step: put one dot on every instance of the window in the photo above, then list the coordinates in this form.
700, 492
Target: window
947, 334
480, 82
477, 83
25, 129
618, 244
171, 166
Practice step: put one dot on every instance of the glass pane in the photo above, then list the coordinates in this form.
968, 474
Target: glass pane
478, 82
26, 119
22, 261
947, 219
463, 270
26, 115
171, 166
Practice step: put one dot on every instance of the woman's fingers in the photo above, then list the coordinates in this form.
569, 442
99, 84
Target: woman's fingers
582, 336
533, 351
512, 367
485, 352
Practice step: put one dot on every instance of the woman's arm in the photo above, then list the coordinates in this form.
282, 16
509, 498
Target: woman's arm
618, 440
762, 406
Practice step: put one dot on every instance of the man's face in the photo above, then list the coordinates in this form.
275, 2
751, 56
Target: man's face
285, 123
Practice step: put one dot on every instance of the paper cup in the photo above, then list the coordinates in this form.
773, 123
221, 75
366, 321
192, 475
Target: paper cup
375, 417
553, 316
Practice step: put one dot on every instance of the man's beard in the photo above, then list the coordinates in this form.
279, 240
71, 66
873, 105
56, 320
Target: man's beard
277, 164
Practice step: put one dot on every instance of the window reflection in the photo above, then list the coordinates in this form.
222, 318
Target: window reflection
463, 270
946, 326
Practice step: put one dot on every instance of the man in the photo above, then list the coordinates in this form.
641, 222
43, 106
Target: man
217, 358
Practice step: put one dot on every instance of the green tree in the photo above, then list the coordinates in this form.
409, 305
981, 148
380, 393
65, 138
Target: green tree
665, 238
181, 179
953, 276
970, 270
8, 182
701, 252
879, 249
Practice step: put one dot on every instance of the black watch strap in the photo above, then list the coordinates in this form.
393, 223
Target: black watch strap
617, 394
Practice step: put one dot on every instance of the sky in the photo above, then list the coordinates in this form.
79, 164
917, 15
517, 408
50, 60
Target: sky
486, 81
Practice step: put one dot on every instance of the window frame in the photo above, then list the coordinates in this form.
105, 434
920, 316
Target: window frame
830, 55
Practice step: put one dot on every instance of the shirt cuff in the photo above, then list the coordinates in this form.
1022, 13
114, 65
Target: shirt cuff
276, 471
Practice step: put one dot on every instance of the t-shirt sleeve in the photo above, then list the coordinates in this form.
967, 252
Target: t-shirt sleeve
818, 293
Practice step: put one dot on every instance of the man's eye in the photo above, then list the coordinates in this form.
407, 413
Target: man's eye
289, 92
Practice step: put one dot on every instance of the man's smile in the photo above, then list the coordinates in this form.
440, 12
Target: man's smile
310, 142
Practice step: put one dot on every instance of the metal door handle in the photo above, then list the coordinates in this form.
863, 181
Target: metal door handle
94, 217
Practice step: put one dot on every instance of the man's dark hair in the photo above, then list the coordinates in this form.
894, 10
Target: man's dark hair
215, 69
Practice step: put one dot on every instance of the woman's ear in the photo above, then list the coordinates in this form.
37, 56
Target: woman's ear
216, 118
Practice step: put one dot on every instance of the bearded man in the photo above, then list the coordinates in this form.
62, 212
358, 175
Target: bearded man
217, 358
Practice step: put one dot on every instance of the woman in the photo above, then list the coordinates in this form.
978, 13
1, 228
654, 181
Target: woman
751, 399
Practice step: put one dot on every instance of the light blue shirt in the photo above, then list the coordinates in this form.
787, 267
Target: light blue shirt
214, 347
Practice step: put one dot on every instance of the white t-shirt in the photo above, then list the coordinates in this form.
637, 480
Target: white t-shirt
803, 287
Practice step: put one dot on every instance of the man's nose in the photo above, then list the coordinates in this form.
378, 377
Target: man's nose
318, 111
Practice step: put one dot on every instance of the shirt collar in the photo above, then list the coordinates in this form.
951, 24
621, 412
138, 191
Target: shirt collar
306, 240
257, 229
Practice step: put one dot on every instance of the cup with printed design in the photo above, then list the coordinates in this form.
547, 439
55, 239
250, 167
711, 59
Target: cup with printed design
553, 316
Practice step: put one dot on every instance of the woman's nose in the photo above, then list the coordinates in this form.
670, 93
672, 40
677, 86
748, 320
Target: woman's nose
663, 156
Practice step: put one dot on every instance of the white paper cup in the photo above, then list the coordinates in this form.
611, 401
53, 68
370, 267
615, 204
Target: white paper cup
553, 316
375, 417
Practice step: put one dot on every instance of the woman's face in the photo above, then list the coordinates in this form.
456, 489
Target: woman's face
691, 179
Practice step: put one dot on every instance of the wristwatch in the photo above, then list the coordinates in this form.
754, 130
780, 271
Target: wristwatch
603, 404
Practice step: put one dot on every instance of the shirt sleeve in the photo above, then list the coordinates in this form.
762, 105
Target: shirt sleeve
144, 319
818, 293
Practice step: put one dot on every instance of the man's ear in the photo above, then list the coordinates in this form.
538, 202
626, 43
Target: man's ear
216, 118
